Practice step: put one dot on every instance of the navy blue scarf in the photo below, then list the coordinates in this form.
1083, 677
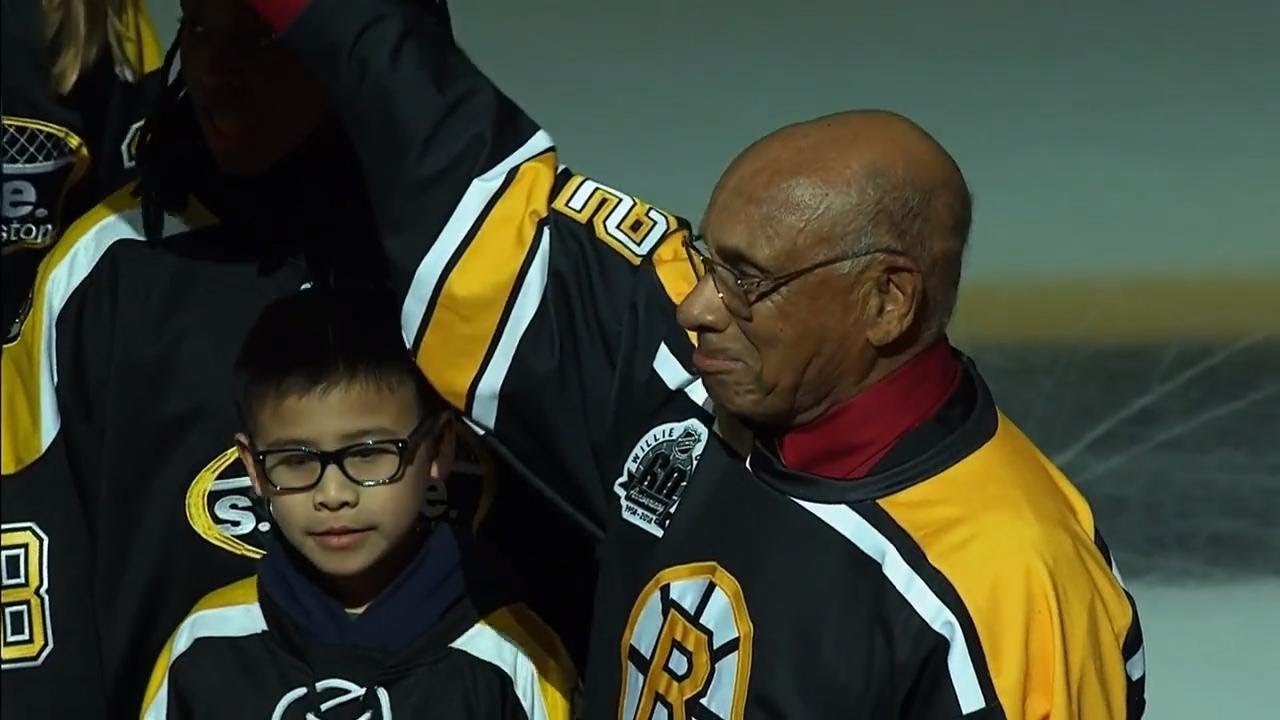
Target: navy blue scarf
410, 606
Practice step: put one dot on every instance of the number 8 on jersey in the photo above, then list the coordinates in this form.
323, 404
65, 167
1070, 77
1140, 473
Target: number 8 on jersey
24, 599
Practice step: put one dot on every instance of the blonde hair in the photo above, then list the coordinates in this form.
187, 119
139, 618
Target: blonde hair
79, 30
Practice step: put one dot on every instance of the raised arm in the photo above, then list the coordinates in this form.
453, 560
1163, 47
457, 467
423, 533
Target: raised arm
530, 294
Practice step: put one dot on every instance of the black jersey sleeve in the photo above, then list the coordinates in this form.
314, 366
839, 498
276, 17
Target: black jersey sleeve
50, 637
527, 288
56, 388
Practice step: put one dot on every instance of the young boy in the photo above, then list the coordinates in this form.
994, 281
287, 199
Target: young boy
361, 608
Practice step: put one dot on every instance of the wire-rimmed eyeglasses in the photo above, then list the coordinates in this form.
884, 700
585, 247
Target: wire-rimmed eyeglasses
740, 291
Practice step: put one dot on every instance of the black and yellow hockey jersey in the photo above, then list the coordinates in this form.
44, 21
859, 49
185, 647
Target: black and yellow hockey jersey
63, 153
969, 581
446, 640
122, 499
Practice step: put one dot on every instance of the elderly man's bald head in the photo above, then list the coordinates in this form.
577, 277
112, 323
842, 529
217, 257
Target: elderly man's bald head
836, 247
852, 181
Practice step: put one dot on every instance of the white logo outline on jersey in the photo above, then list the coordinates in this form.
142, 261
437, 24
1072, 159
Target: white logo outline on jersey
348, 692
42, 162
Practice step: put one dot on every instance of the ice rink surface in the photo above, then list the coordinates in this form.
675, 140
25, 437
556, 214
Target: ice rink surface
1213, 649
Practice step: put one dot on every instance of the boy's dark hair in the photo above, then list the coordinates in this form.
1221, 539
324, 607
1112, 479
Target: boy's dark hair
320, 338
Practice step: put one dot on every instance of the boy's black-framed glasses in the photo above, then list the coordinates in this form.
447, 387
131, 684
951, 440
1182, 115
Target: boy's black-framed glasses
739, 291
367, 464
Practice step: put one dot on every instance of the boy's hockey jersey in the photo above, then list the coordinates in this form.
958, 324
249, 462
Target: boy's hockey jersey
122, 499
967, 581
446, 642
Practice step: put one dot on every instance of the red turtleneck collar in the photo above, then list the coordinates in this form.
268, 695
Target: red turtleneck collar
850, 438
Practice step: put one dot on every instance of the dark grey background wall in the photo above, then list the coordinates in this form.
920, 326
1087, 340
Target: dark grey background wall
1123, 287
1102, 138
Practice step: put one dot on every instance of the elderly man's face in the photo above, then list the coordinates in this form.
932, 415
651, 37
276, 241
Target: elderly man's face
770, 354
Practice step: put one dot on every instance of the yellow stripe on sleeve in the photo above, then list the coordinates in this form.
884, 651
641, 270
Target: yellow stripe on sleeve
243, 593
140, 44
557, 677
466, 319
28, 409
21, 364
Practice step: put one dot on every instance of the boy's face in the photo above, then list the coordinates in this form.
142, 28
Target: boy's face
342, 528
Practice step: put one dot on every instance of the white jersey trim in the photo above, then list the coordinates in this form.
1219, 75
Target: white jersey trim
676, 377
1136, 666
485, 406
909, 584
465, 215
63, 280
223, 622
486, 643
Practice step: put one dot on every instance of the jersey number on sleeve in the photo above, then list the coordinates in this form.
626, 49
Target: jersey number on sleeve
27, 637
630, 226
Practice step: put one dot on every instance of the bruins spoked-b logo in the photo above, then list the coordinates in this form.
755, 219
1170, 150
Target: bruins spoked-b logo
686, 652
41, 162
336, 699
657, 471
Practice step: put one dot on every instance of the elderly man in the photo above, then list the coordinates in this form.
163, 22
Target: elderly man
891, 547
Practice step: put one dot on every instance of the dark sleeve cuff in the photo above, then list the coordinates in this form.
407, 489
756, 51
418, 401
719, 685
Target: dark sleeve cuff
279, 14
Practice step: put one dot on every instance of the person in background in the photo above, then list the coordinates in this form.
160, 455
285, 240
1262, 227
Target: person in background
75, 79
891, 546
120, 487
362, 604
77, 76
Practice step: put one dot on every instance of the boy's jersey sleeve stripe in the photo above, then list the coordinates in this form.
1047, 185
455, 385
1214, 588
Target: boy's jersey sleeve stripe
521, 645
29, 364
557, 676
231, 611
465, 320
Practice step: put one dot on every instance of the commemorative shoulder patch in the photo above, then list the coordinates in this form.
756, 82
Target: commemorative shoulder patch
657, 471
